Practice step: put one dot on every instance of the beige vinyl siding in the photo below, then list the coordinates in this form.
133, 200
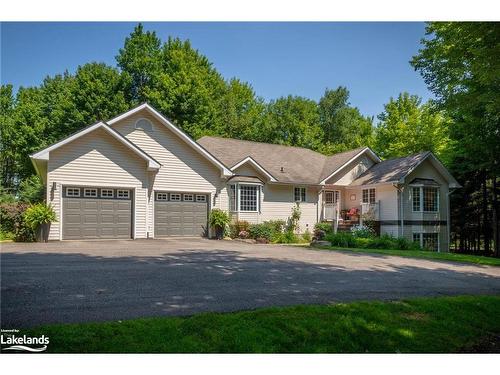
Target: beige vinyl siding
351, 171
96, 159
248, 170
182, 167
391, 230
278, 201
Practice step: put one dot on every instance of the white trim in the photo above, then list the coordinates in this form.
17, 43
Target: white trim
44, 154
73, 188
250, 160
305, 194
91, 191
176, 130
134, 234
366, 149
60, 187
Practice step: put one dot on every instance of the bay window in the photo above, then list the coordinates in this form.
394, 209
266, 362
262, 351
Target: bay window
243, 197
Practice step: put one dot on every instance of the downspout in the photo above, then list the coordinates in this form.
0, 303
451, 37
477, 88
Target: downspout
448, 218
400, 189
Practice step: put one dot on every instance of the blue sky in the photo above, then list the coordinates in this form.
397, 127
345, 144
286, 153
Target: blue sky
278, 59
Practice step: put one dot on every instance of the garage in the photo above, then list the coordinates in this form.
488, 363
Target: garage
180, 214
96, 213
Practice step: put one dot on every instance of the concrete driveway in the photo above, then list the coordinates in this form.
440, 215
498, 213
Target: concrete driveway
113, 280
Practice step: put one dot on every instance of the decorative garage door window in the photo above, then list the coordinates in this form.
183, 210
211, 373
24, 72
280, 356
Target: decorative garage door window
122, 194
96, 193
181, 197
107, 193
72, 192
161, 196
89, 193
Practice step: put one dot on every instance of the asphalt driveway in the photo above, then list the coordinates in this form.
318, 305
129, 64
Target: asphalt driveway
115, 280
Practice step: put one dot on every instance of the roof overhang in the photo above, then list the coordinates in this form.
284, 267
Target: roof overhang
41, 157
166, 122
452, 183
256, 165
367, 150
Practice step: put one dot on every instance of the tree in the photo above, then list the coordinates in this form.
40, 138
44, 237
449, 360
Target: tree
343, 126
459, 62
407, 127
292, 121
140, 61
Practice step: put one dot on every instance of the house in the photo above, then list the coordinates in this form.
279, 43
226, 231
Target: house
139, 176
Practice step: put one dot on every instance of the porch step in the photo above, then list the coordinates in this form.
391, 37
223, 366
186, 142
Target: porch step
346, 225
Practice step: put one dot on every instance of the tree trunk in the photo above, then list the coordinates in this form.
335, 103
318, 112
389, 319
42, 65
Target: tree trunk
496, 234
486, 224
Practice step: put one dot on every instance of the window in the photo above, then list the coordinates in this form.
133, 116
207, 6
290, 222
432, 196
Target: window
232, 198
425, 199
89, 192
188, 197
107, 193
368, 195
175, 197
161, 196
417, 237
72, 192
201, 198
248, 198
144, 124
415, 192
123, 194
430, 241
430, 199
299, 194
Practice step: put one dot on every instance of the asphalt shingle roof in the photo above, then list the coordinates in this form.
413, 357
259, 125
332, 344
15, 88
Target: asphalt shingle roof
391, 170
285, 163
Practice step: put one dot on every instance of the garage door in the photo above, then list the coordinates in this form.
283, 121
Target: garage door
93, 213
180, 214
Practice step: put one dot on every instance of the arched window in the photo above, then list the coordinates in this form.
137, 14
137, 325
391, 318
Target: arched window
144, 124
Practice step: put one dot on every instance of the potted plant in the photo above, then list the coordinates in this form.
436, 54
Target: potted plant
218, 220
38, 217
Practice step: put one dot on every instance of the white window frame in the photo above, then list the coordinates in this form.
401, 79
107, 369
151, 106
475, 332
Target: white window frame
201, 198
161, 196
92, 192
421, 197
119, 193
185, 196
368, 193
73, 190
237, 190
302, 197
104, 193
175, 197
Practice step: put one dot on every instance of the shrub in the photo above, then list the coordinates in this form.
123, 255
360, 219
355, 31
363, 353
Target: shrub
278, 225
238, 226
31, 190
12, 221
293, 222
263, 230
362, 231
385, 241
319, 235
325, 227
341, 239
306, 236
287, 237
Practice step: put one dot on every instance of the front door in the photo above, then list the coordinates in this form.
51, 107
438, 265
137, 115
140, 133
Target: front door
331, 199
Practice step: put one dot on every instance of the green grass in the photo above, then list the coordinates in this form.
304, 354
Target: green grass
465, 258
424, 325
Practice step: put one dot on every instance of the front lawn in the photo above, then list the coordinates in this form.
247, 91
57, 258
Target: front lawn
423, 325
465, 258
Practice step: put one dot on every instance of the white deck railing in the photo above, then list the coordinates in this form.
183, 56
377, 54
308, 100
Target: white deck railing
370, 210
